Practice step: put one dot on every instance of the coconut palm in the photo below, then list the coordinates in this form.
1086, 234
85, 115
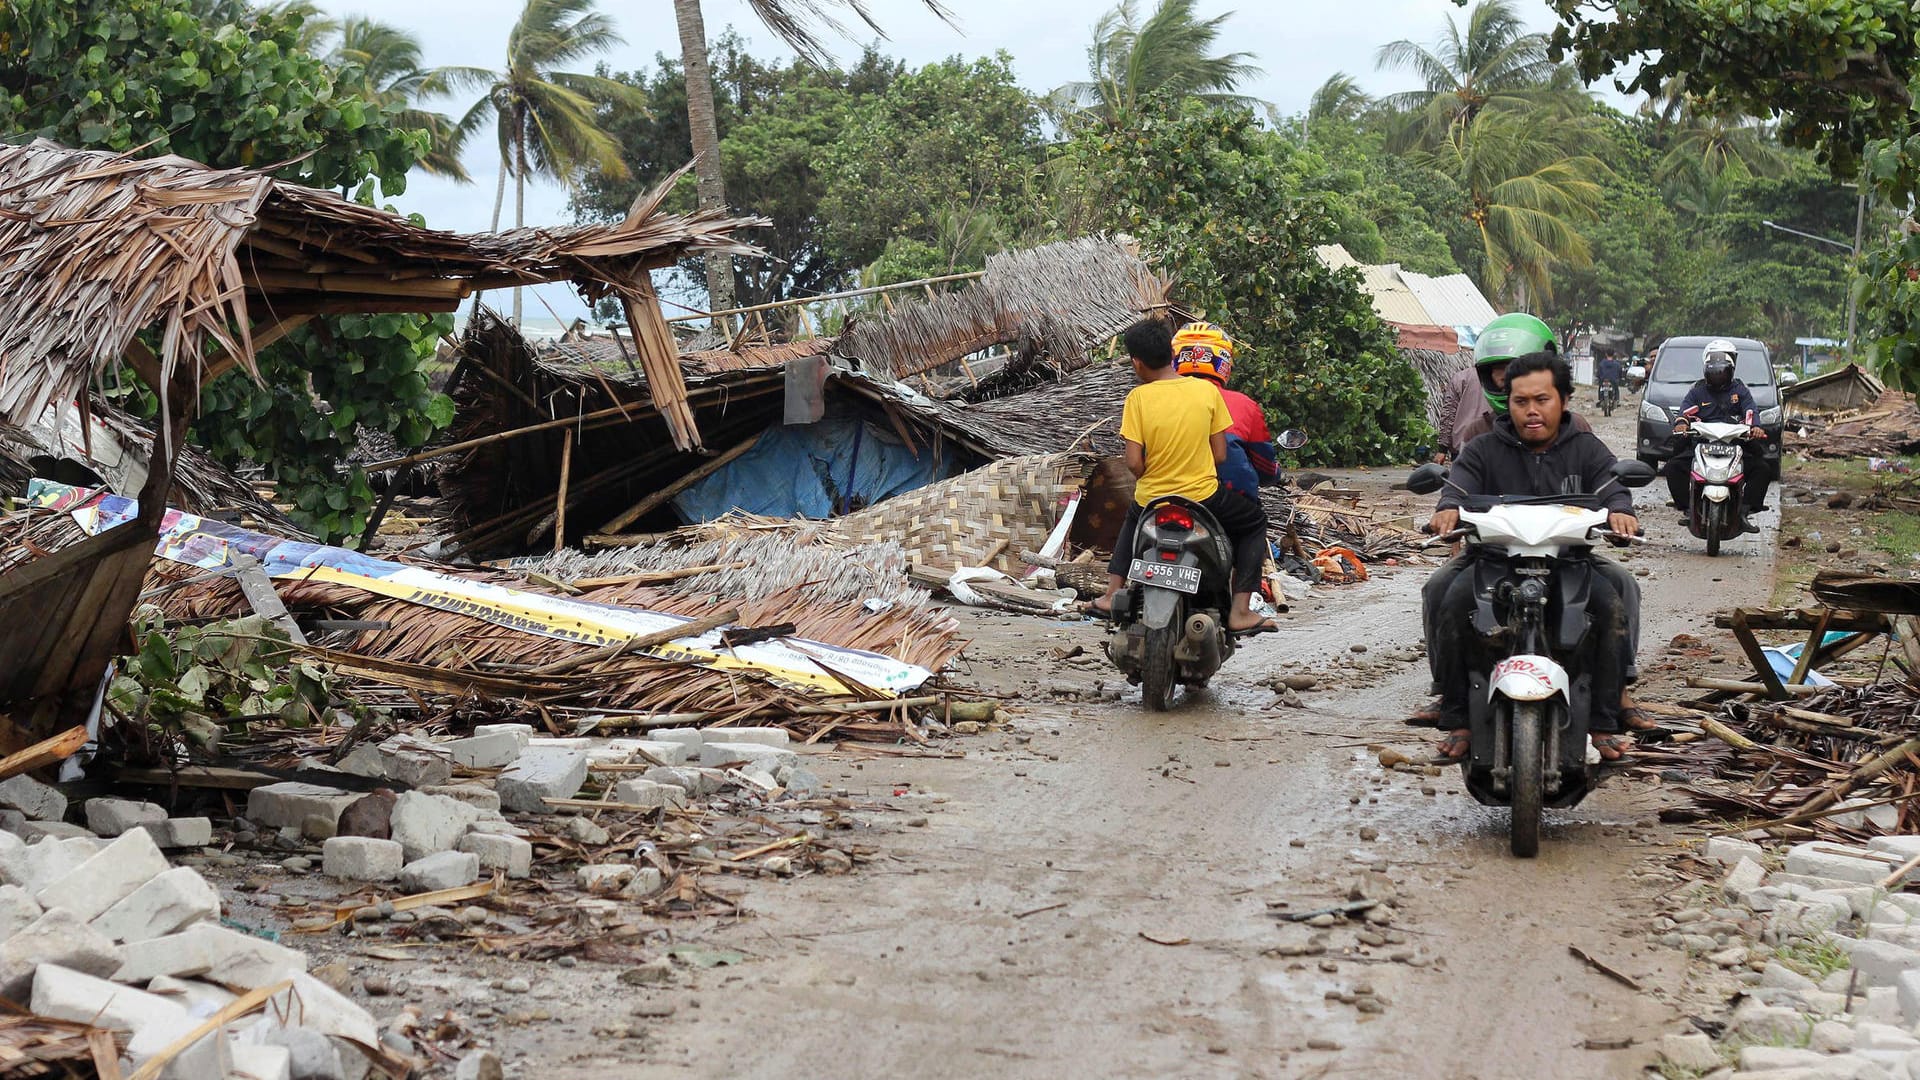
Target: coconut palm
1338, 99
1528, 192
1709, 144
1495, 61
802, 24
1170, 53
381, 63
545, 118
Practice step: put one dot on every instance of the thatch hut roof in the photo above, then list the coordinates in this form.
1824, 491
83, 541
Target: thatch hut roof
96, 247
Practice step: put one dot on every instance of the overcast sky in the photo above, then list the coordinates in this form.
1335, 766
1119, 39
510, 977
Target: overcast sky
1299, 43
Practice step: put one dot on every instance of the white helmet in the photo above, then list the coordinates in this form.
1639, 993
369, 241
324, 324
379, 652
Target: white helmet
1716, 362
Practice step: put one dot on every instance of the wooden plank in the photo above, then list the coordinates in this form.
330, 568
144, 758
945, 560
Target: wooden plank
560, 498
1749, 644
687, 480
1811, 648
44, 753
660, 359
264, 598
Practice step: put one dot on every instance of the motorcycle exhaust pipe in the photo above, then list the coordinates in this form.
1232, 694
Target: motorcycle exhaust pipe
1199, 628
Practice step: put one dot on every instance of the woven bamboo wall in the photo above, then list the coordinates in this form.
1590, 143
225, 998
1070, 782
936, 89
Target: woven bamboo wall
958, 522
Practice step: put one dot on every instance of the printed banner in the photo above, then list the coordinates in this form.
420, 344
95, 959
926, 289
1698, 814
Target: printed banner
196, 541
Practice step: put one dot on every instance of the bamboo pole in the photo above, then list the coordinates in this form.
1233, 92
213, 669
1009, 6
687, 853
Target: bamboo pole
880, 290
44, 753
1868, 771
1733, 686
687, 480
644, 641
560, 499
657, 577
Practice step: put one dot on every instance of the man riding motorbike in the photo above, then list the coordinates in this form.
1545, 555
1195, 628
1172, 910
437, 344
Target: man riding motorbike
1203, 351
1175, 431
1535, 450
1477, 396
1718, 398
1607, 371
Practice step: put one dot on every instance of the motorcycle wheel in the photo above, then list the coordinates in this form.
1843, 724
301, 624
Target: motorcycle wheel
1529, 750
1716, 520
1156, 673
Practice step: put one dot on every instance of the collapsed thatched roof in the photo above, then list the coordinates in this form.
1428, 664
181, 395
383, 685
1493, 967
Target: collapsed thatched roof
96, 247
612, 358
1063, 297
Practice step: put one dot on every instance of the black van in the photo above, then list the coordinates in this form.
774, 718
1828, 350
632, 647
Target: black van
1679, 365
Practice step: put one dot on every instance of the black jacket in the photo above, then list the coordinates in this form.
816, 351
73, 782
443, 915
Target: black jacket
1731, 404
1498, 463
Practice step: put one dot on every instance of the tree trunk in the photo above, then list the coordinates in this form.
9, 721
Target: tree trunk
499, 193
706, 141
519, 200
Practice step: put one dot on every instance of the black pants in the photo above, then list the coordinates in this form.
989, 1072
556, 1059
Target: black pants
1679, 471
1245, 521
1455, 650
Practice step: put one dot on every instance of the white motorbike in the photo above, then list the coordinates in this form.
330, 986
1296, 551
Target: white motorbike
1717, 506
1532, 576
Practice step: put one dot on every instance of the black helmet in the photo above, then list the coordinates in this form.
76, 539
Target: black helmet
1718, 365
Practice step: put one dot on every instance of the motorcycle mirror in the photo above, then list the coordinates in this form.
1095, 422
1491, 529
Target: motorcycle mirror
1634, 473
1291, 439
1429, 478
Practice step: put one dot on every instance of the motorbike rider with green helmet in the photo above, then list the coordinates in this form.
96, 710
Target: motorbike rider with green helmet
1478, 395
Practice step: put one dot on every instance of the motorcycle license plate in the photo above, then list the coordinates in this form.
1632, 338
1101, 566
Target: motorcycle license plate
1179, 578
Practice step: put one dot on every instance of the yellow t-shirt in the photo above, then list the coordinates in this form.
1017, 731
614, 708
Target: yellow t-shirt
1175, 419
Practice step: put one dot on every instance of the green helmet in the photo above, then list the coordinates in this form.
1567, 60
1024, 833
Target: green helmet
1506, 337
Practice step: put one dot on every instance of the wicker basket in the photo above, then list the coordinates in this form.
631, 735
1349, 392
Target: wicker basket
998, 511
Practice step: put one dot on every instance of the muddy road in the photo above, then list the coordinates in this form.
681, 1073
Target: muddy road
1087, 893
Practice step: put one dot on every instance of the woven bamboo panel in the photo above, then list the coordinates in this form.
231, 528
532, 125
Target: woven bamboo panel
959, 522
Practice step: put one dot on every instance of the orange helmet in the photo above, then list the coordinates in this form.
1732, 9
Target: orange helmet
1203, 349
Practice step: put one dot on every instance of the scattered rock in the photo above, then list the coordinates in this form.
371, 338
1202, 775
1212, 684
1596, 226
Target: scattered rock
440, 870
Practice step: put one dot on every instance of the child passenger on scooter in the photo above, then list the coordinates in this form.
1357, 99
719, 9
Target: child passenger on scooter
1176, 436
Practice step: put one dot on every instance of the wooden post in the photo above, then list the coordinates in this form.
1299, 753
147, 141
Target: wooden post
653, 501
660, 358
1756, 657
560, 505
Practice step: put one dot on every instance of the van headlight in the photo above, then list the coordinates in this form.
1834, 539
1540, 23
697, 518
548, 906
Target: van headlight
1650, 411
1769, 417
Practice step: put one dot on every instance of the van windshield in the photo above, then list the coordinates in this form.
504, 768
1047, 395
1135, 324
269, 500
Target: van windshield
1686, 363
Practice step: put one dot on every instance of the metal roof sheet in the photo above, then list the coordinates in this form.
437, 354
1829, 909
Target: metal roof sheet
1452, 300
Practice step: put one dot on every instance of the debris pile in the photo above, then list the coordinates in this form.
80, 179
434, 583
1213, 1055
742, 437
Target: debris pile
1825, 952
1889, 426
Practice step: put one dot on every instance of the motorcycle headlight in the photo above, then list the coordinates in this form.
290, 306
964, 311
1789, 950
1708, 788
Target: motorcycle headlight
1650, 411
1769, 417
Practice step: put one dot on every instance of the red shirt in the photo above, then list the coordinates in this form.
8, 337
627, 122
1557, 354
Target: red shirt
1249, 422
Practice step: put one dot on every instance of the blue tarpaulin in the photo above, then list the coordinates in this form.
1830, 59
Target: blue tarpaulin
810, 470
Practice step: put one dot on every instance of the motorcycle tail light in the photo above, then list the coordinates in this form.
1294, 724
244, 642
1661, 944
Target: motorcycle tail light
1169, 556
1173, 517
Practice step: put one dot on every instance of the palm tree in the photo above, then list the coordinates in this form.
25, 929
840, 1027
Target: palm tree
793, 22
1171, 53
381, 63
1711, 143
1496, 61
544, 118
1528, 192
1338, 99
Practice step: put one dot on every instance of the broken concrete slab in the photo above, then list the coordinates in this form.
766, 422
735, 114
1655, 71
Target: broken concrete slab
199, 998
769, 758
522, 733
311, 1055
206, 1057
424, 824
66, 994
362, 858
59, 830
111, 817
1850, 864
510, 854
169, 902
258, 1061
32, 798
232, 959
763, 736
584, 831
107, 878
1728, 850
416, 762
695, 782
32, 866
659, 753
184, 832
17, 910
604, 877
538, 775
483, 799
286, 804
649, 793
314, 1005
685, 736
494, 750
1878, 963
364, 760
56, 937
440, 870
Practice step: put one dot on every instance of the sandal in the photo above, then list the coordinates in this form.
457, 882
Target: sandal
1264, 626
1425, 716
1456, 745
1612, 747
1639, 719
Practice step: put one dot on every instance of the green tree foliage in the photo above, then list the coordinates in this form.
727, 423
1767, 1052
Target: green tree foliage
774, 122
1494, 62
209, 80
1839, 74
1237, 235
381, 64
218, 82
955, 137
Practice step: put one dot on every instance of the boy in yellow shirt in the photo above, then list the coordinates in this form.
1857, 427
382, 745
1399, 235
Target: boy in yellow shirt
1176, 434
